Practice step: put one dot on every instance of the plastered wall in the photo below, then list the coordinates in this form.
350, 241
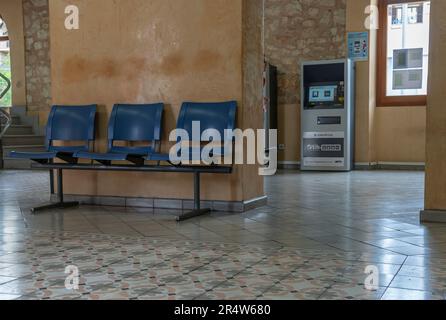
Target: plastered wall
316, 30
383, 134
294, 31
172, 51
401, 134
298, 31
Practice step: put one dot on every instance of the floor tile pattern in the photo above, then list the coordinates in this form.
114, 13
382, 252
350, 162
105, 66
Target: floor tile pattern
314, 240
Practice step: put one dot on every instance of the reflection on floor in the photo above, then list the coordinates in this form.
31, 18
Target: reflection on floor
314, 240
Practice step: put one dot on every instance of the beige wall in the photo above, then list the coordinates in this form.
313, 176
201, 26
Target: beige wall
252, 111
365, 77
436, 112
140, 51
401, 134
383, 134
391, 134
298, 31
11, 11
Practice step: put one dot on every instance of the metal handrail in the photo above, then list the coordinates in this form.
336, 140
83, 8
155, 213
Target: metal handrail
7, 124
4, 125
8, 85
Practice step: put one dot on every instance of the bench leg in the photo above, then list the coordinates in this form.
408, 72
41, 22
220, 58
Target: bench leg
51, 181
197, 202
60, 204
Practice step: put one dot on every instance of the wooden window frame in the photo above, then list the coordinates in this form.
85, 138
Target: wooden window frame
382, 99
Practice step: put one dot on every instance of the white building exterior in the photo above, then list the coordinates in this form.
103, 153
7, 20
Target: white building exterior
408, 28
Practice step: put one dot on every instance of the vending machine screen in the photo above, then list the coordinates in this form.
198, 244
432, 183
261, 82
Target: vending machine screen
325, 96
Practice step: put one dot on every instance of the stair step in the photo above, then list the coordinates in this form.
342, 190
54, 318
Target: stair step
16, 120
16, 164
19, 130
23, 148
9, 163
17, 140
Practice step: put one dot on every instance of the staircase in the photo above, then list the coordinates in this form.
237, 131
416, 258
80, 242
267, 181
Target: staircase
20, 136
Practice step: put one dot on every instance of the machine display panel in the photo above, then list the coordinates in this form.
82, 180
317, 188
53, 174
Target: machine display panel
325, 95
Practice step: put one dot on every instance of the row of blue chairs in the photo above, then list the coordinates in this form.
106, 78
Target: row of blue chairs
129, 123
70, 136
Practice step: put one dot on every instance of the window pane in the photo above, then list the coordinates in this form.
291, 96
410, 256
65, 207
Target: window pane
408, 49
415, 14
397, 15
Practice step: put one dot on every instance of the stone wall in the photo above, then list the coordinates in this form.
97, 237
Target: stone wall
37, 57
296, 31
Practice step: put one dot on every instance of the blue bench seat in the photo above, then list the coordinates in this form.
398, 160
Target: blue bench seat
217, 116
65, 124
130, 123
32, 155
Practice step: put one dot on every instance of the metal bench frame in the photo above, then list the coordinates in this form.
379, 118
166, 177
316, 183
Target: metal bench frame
195, 170
208, 114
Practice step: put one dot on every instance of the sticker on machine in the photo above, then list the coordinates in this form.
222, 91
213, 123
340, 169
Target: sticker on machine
324, 149
316, 135
324, 162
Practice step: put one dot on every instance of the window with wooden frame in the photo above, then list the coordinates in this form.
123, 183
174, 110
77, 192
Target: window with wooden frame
403, 52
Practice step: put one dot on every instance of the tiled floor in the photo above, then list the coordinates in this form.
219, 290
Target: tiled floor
313, 241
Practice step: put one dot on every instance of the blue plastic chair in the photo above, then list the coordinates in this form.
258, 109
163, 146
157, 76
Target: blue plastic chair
65, 124
130, 123
219, 116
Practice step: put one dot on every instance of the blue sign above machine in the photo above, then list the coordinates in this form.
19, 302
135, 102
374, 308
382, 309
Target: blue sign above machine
358, 46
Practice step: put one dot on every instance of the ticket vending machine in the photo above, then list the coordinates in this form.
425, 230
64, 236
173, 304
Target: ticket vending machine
327, 115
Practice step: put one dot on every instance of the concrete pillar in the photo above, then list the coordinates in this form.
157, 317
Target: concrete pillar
435, 200
365, 84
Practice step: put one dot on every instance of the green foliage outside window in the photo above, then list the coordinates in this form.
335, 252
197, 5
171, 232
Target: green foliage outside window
5, 69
